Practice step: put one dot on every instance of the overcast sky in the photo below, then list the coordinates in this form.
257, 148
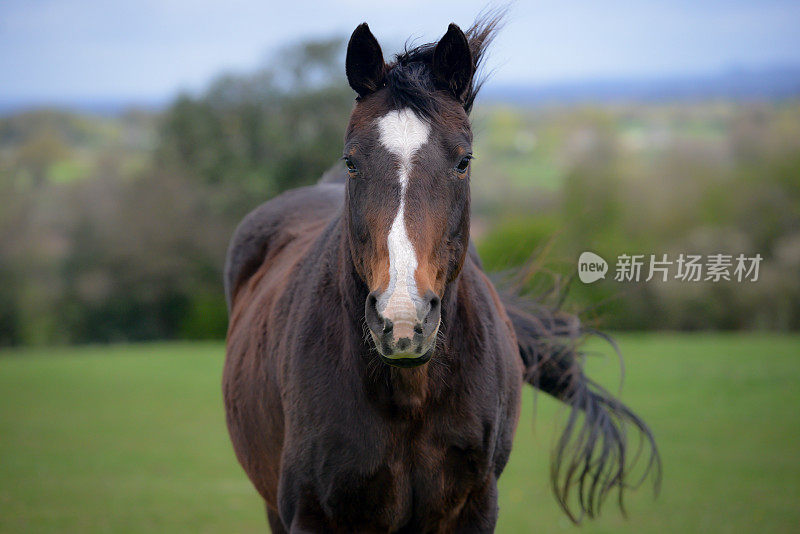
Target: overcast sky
62, 50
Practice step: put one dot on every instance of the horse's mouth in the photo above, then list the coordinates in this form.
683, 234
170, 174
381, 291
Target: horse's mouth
406, 361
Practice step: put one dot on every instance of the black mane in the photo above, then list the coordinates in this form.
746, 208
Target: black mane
410, 81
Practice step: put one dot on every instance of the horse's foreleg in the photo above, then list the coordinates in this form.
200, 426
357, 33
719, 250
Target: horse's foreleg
479, 514
275, 523
303, 515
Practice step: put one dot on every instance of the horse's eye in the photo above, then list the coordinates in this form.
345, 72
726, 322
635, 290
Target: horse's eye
351, 167
463, 165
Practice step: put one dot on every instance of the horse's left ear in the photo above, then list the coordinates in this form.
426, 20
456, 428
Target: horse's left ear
452, 63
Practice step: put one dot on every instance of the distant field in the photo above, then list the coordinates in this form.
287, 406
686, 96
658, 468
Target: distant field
132, 439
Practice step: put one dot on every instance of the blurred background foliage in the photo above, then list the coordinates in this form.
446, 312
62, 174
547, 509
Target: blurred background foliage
114, 227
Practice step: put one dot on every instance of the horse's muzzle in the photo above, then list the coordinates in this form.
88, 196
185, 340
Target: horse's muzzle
404, 337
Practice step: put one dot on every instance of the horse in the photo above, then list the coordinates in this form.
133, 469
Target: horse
373, 371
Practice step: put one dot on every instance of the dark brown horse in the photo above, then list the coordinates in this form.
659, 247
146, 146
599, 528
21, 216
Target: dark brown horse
373, 372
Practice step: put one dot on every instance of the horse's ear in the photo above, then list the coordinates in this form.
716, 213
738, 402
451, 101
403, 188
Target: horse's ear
364, 65
452, 63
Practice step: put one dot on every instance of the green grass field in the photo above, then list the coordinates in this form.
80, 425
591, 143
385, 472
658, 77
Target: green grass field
132, 439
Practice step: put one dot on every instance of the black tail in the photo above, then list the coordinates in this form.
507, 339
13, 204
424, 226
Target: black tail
592, 457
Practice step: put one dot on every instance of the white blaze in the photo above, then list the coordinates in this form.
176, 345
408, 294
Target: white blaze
402, 133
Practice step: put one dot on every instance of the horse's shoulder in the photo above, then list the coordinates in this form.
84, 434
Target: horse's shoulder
473, 256
480, 285
270, 223
483, 290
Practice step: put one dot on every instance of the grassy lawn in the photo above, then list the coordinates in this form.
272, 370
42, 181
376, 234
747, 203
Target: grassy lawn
132, 439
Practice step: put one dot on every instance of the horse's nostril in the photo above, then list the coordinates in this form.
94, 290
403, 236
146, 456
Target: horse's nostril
387, 326
418, 329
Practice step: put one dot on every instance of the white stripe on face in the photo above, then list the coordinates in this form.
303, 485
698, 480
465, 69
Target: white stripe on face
402, 133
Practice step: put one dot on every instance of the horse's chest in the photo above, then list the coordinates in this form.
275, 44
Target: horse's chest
421, 480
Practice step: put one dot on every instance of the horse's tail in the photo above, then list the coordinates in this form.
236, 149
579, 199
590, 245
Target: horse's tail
593, 457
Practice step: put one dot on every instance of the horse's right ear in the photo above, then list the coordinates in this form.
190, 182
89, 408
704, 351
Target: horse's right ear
364, 65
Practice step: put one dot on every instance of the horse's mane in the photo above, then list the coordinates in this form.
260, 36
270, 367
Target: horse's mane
410, 80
